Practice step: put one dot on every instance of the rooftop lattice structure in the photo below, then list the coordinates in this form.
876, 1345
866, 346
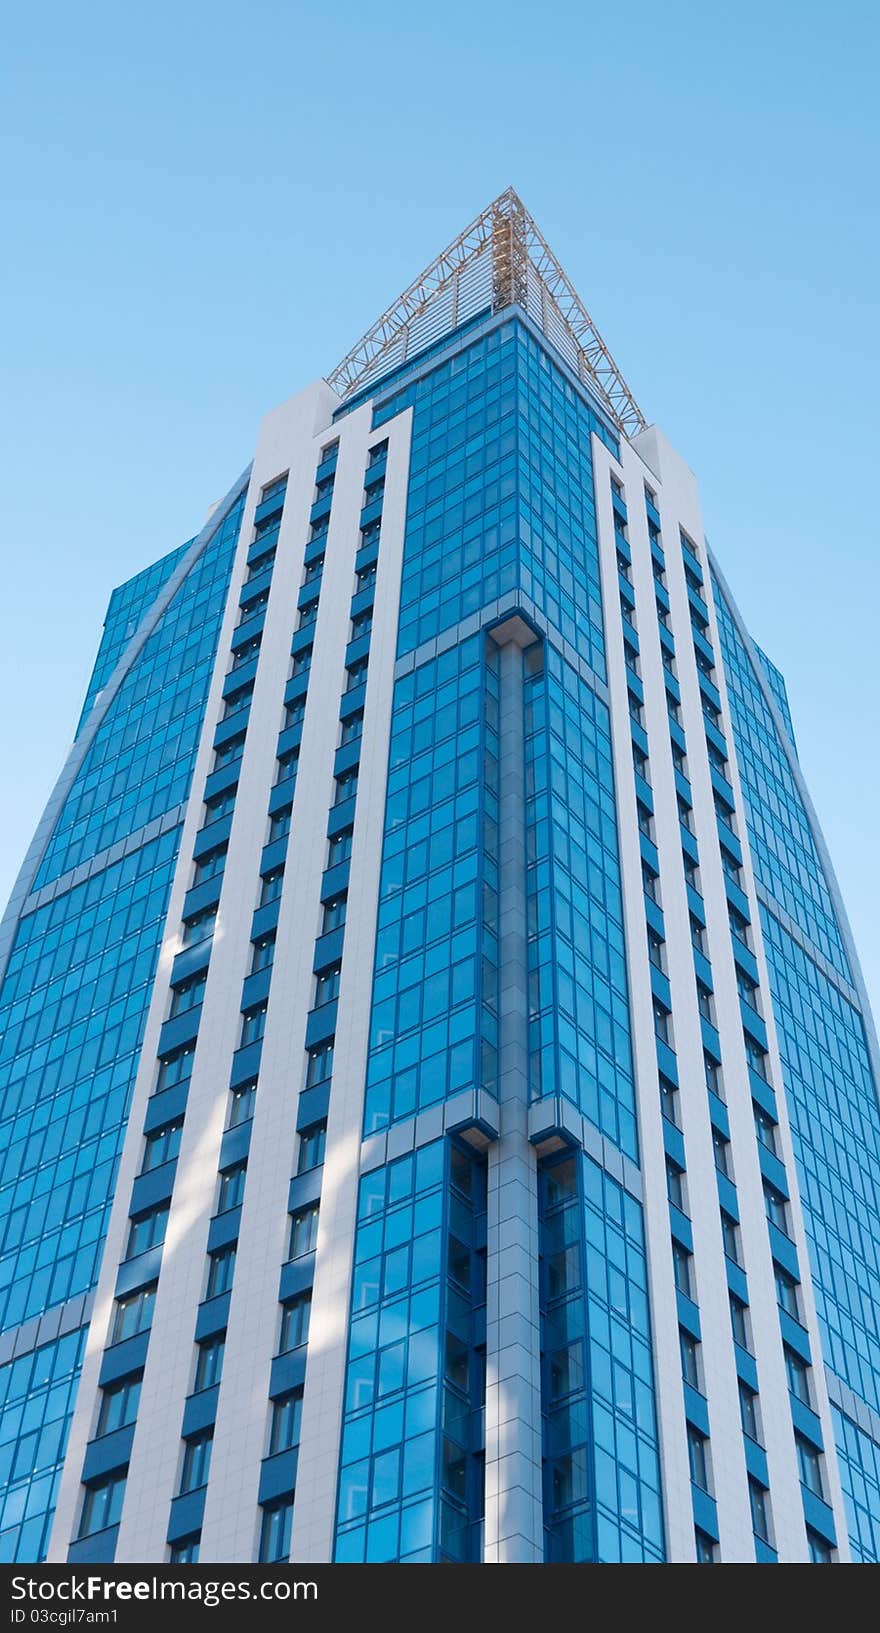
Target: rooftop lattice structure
500, 260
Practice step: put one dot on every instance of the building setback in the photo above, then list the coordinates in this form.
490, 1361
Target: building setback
438, 1089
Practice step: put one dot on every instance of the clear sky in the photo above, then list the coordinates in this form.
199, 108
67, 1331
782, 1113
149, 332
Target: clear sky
207, 203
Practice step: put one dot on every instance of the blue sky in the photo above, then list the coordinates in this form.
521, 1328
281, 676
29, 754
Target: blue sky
207, 203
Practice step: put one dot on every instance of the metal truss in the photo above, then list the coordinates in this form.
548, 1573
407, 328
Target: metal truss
524, 272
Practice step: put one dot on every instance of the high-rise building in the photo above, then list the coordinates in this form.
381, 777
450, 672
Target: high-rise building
439, 1094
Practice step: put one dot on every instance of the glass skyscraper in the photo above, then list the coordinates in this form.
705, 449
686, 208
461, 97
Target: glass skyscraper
439, 1094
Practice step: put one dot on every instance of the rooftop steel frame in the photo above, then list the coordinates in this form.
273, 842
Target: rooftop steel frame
524, 272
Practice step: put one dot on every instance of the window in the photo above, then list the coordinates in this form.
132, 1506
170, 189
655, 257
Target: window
308, 614
698, 1457
288, 765
691, 872
365, 578
286, 1420
798, 1373
119, 1404
757, 1057
196, 1461
669, 1099
242, 1106
253, 1025
739, 1322
675, 1185
810, 1466
655, 948
681, 1265
277, 486
775, 1205
228, 753
339, 847
162, 1145
786, 1292
243, 654
698, 935
635, 708
730, 1236
690, 1362
231, 1190
275, 1532
649, 882
746, 988
820, 1551
346, 787
616, 486
662, 1020
320, 1065
279, 825
721, 1150
362, 625
352, 729
765, 1129
685, 814
295, 1322
103, 1505
176, 1069
221, 1269
301, 664
357, 674
210, 1362
377, 453
748, 1412
263, 954
706, 1548
678, 758
303, 1231
295, 713
760, 1506
188, 994
327, 985
334, 915
186, 1551
646, 820
713, 1075
640, 763
271, 887
312, 1142
201, 928
704, 1002
209, 866
134, 1314
147, 1231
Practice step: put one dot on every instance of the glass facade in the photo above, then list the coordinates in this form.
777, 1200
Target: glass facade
830, 1088
76, 990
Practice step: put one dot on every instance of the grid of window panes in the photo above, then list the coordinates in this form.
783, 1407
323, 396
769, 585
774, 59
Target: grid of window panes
409, 1482
784, 853
859, 1461
74, 1005
141, 760
36, 1400
125, 610
829, 1085
833, 1111
778, 687
500, 492
579, 1038
427, 1026
601, 1458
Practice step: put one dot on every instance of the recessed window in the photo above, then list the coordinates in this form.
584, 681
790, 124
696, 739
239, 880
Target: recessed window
210, 1362
103, 1505
765, 1129
312, 1143
669, 1099
690, 1363
221, 1269
188, 995
681, 1265
241, 1108
303, 1231
263, 954
162, 1145
327, 985
721, 1152
675, 1185
739, 1322
186, 1551
798, 1374
272, 886
698, 1457
231, 1189
776, 1208
759, 1502
320, 1065
119, 1404
707, 1549
147, 1231
196, 1461
334, 914
748, 1412
286, 1421
134, 1314
253, 1025
731, 1238
275, 1532
295, 1322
